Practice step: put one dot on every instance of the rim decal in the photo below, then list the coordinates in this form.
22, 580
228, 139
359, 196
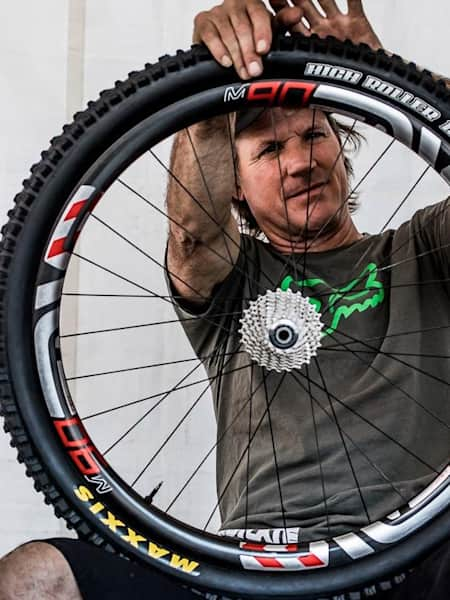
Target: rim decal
44, 331
353, 545
48, 293
57, 254
400, 123
389, 533
272, 93
133, 537
430, 145
79, 446
317, 558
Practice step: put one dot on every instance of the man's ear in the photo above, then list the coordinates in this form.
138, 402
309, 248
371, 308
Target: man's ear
239, 197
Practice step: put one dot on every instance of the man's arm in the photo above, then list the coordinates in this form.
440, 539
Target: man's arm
204, 238
203, 234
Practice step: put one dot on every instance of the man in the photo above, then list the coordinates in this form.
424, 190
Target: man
284, 177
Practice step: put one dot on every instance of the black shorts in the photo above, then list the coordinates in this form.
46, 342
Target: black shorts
100, 574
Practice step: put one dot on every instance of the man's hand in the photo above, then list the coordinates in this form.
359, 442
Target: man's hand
304, 17
237, 32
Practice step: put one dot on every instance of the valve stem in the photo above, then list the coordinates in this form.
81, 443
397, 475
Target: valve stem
149, 498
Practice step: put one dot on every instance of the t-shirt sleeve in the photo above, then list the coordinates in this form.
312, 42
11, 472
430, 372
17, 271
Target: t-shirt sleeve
208, 325
431, 226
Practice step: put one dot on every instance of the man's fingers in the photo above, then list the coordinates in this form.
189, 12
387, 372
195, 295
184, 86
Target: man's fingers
243, 32
301, 28
329, 7
355, 7
262, 27
209, 35
278, 5
289, 17
311, 13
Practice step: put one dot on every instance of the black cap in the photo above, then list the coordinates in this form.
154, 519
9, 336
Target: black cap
246, 117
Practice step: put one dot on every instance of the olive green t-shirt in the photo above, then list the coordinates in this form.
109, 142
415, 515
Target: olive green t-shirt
362, 428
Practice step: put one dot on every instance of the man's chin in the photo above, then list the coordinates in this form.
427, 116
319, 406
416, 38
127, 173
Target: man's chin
314, 224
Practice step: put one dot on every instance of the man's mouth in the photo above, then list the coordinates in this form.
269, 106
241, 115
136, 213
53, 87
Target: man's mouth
305, 193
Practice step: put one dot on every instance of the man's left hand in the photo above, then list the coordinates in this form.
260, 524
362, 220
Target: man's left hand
303, 16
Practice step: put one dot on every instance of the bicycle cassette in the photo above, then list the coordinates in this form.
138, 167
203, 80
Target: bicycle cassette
281, 330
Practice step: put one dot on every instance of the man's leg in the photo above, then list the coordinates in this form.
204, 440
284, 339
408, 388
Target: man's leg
37, 571
75, 570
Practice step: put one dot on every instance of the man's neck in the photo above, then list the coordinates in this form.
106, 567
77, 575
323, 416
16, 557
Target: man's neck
345, 235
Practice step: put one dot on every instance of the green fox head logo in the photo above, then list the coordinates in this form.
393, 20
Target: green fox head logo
361, 294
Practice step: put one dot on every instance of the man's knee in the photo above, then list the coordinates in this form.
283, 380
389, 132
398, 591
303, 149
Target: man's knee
36, 570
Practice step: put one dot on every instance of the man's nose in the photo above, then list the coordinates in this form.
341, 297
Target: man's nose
299, 158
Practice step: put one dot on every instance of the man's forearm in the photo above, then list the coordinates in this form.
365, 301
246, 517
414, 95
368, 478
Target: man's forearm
199, 196
203, 234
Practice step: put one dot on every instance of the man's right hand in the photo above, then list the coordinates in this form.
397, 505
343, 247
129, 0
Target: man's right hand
237, 32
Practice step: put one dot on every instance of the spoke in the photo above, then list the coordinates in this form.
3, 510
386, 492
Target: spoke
123, 278
395, 385
178, 425
277, 471
168, 299
406, 260
143, 367
369, 423
208, 192
308, 199
347, 435
216, 444
171, 434
319, 454
149, 411
385, 337
230, 479
141, 325
233, 154
230, 355
202, 208
344, 202
341, 435
376, 351
247, 475
421, 255
148, 256
427, 168
358, 289
175, 222
414, 234
392, 266
333, 167
90, 295
395, 358
290, 259
158, 395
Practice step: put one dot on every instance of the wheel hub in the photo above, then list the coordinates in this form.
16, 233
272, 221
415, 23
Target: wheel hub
281, 330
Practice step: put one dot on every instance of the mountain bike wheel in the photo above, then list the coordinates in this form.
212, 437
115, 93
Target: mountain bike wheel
53, 229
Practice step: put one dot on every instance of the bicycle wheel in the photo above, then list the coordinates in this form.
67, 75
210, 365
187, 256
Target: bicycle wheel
59, 397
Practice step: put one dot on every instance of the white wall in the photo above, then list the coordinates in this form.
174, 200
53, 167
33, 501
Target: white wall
57, 54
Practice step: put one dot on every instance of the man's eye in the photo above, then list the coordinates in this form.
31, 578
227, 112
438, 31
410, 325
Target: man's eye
271, 148
316, 133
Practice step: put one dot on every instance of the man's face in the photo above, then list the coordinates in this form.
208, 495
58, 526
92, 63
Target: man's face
292, 174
